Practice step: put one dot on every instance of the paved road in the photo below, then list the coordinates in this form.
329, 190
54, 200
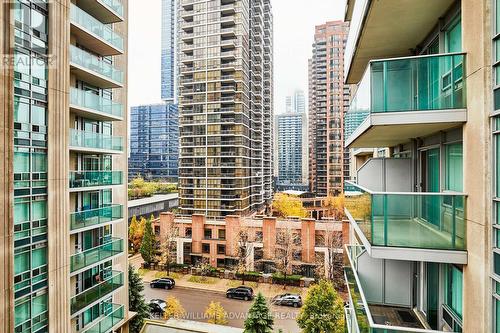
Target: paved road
195, 302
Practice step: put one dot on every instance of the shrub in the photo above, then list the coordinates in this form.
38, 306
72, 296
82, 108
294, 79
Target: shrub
202, 279
249, 276
293, 280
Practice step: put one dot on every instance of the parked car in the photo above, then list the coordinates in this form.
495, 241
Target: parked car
240, 292
157, 307
164, 283
288, 300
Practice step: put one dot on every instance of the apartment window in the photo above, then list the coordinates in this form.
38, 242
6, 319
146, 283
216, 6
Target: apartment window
205, 248
221, 249
454, 289
222, 233
258, 236
188, 232
452, 307
454, 167
207, 233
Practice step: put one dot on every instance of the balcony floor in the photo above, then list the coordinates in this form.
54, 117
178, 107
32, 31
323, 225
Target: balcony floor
395, 316
414, 233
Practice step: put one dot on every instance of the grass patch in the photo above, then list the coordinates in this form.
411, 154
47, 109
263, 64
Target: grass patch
173, 275
237, 283
142, 271
202, 279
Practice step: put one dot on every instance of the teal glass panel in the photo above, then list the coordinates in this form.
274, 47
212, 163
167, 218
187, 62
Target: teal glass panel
496, 263
454, 289
497, 315
97, 292
91, 62
39, 162
40, 304
88, 22
431, 205
21, 262
38, 257
92, 140
39, 210
454, 167
454, 37
22, 63
22, 312
497, 162
21, 162
38, 115
21, 212
96, 216
21, 111
402, 220
112, 316
80, 179
422, 83
96, 254
89, 100
432, 294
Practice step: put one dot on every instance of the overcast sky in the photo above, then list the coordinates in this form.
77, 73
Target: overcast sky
294, 22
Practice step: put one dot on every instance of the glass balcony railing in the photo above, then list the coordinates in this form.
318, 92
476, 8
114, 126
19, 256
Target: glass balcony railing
423, 83
92, 140
361, 316
96, 254
409, 219
115, 5
91, 62
89, 100
93, 25
81, 179
97, 292
113, 314
91, 217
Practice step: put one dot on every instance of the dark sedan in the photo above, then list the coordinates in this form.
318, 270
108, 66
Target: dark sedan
242, 292
163, 283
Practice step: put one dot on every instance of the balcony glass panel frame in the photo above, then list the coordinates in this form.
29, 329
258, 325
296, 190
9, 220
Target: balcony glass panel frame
92, 63
89, 100
95, 217
85, 179
97, 292
92, 256
93, 25
92, 140
406, 84
434, 221
113, 314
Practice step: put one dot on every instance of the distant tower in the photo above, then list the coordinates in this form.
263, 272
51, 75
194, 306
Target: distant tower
168, 43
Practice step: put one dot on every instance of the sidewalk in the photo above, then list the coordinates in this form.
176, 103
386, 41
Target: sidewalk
216, 284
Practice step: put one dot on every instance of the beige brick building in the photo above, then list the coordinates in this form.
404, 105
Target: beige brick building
63, 163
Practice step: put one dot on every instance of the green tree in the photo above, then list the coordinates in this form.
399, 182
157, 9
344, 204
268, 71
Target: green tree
136, 300
323, 310
260, 319
216, 313
148, 243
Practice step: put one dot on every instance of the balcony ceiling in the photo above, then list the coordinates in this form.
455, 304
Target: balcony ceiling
100, 11
387, 28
